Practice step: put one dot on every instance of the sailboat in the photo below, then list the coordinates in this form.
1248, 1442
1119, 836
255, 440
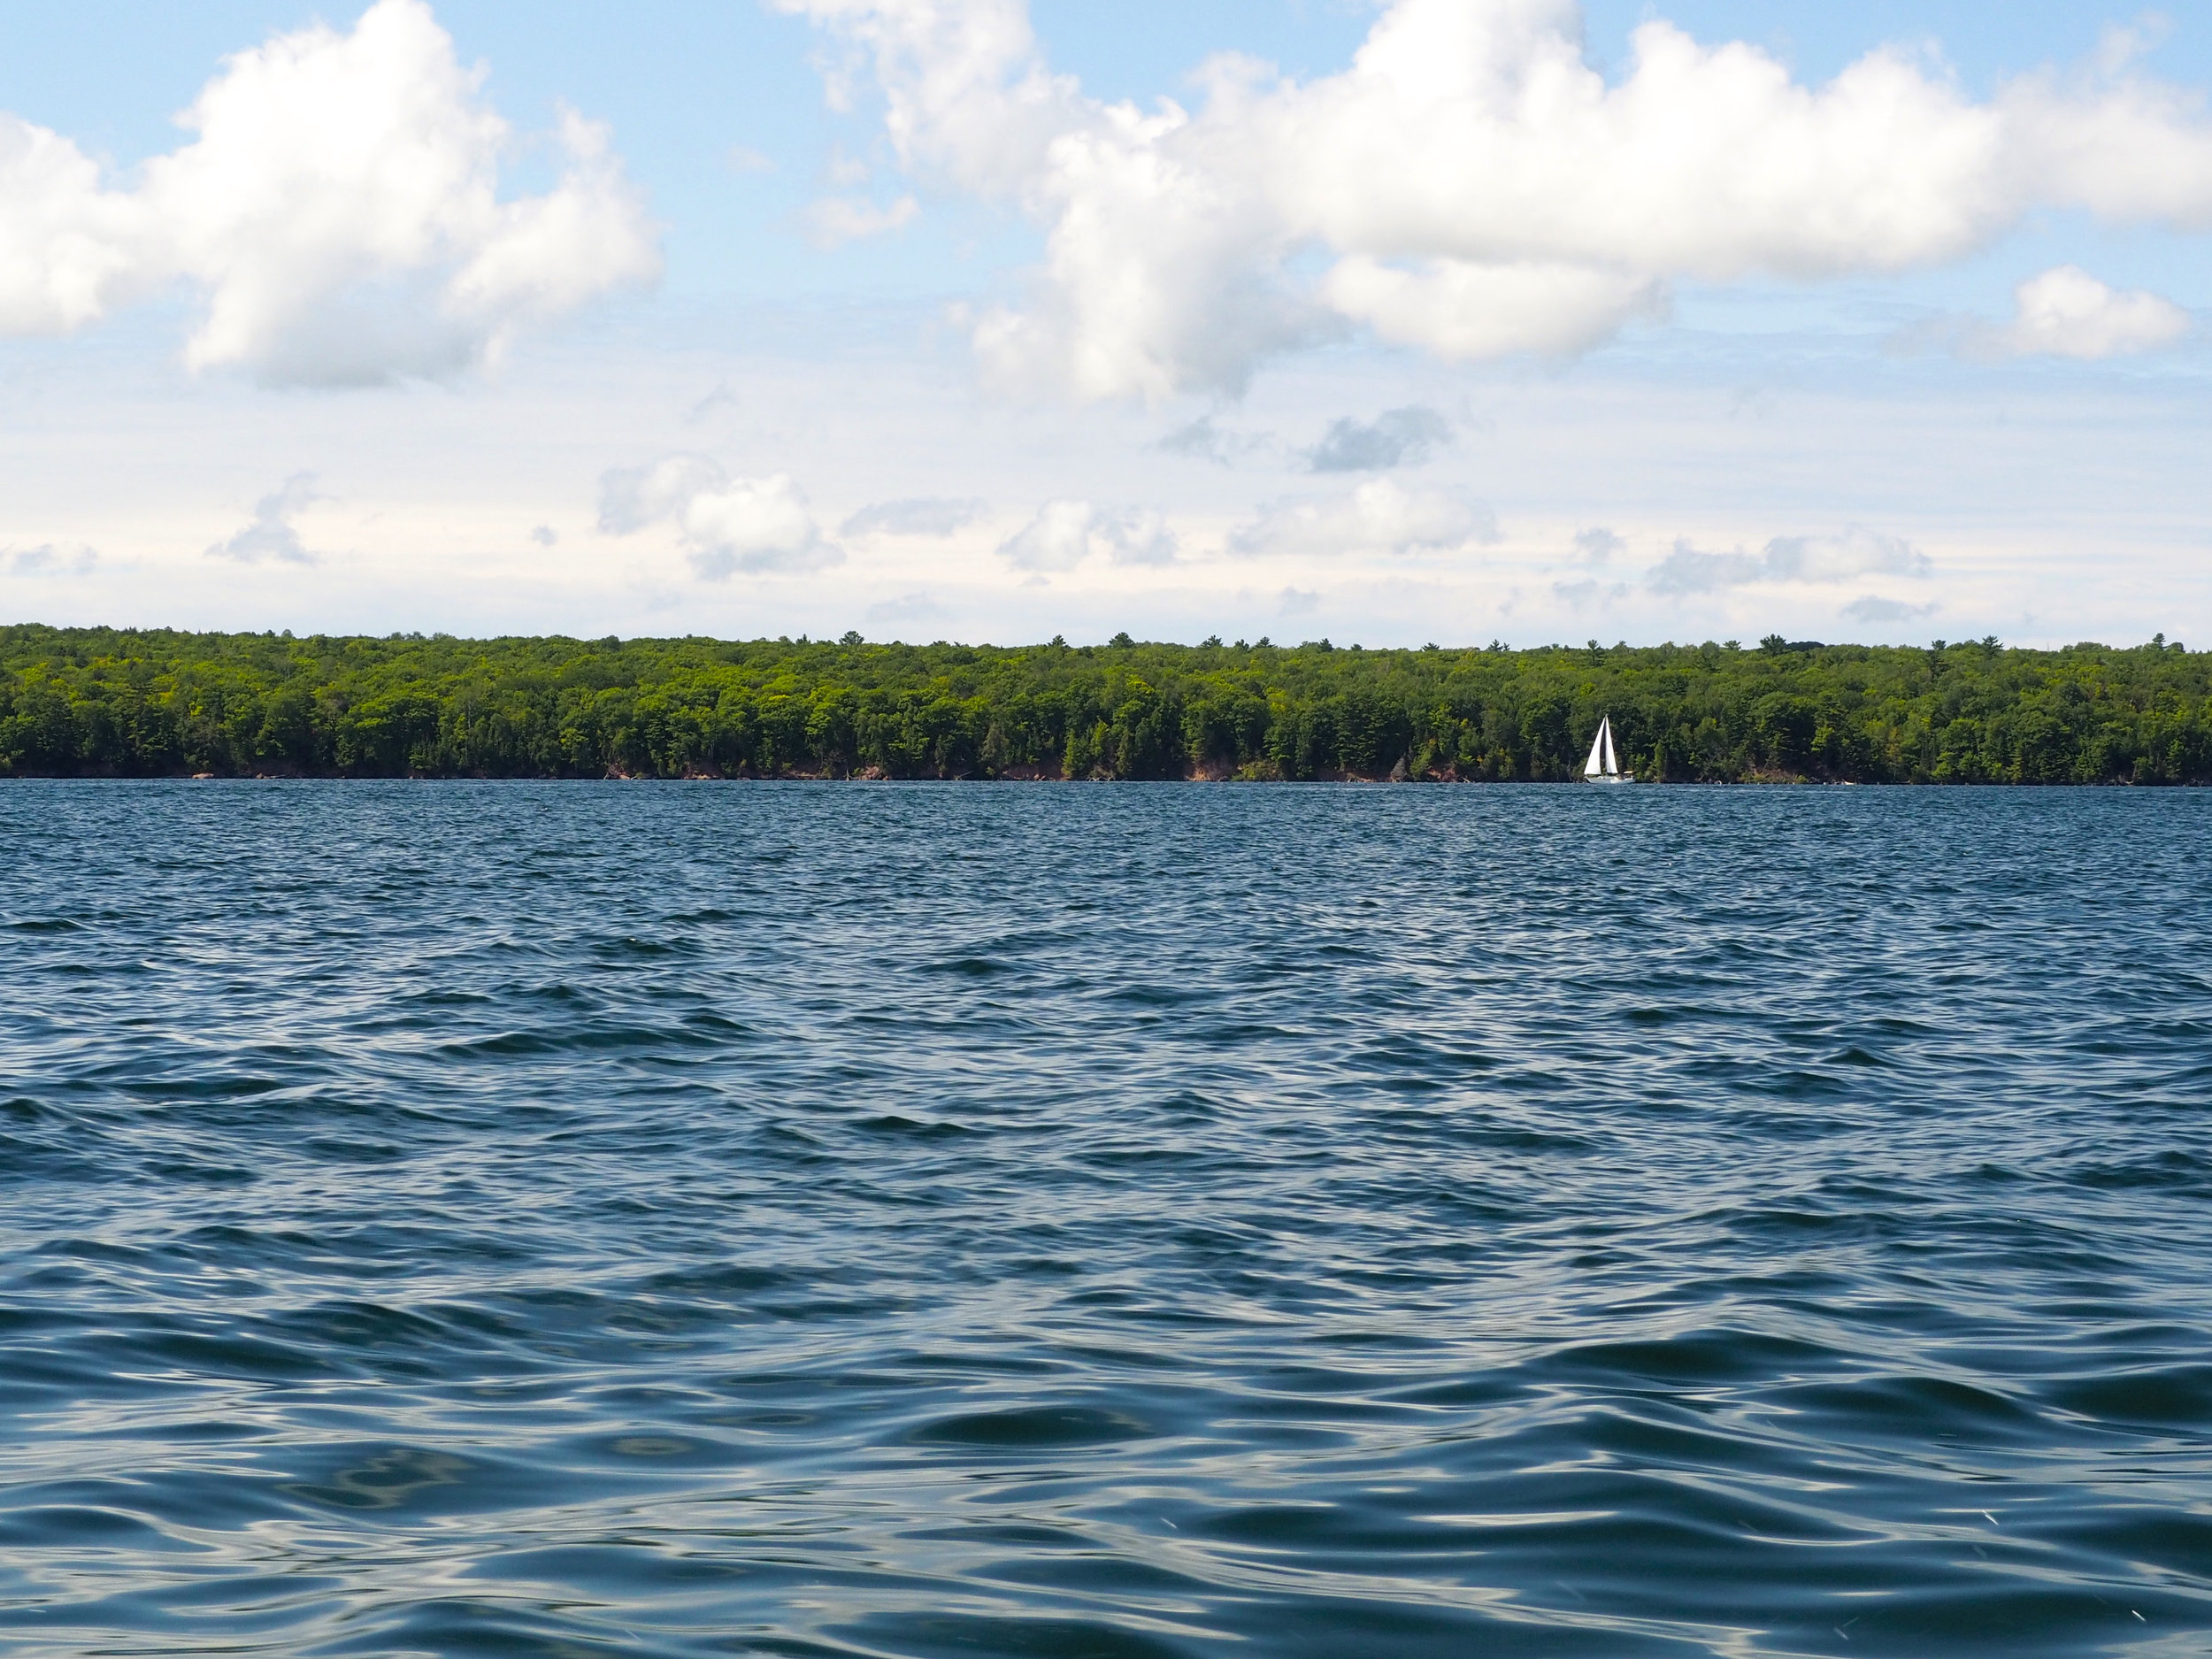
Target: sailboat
1604, 764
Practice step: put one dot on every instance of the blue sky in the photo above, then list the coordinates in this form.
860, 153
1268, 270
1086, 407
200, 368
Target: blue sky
704, 418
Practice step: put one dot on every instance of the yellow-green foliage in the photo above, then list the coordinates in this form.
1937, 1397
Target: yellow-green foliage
117, 701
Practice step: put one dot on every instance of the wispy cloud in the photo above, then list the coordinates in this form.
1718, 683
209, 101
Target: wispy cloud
1874, 608
833, 220
720, 397
921, 516
272, 534
1066, 532
1582, 595
48, 560
915, 607
1397, 437
1598, 546
1381, 515
1201, 440
1858, 551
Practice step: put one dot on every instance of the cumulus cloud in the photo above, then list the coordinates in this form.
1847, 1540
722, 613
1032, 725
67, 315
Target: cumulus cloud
2068, 313
932, 516
272, 534
1381, 515
1066, 532
67, 247
727, 524
1397, 437
1470, 312
336, 213
48, 560
1858, 552
1471, 185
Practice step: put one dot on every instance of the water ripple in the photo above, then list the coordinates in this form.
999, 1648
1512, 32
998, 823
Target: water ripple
912, 1221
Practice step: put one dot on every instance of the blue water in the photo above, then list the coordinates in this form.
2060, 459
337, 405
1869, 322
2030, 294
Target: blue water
838, 1219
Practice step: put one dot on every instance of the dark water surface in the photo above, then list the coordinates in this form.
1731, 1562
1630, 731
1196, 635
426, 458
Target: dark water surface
1138, 1221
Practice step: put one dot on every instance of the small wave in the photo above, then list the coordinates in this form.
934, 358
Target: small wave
1024, 1428
472, 1218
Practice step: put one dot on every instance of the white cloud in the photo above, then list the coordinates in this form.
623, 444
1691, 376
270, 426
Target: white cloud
833, 220
1066, 532
929, 516
727, 525
2068, 313
1397, 437
965, 90
337, 213
1468, 312
1381, 515
1471, 185
68, 250
272, 534
1057, 539
1858, 552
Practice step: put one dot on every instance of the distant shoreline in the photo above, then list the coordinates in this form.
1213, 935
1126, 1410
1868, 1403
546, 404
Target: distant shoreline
124, 703
1008, 780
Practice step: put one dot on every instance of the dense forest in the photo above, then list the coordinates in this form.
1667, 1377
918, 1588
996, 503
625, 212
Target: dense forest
98, 701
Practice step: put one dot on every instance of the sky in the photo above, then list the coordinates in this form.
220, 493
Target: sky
1428, 320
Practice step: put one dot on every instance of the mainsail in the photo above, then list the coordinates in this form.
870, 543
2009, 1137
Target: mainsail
1603, 762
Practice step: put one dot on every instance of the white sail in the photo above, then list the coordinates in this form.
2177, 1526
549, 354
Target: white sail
1604, 764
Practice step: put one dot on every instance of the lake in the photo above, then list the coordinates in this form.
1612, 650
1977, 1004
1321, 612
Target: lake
1116, 1220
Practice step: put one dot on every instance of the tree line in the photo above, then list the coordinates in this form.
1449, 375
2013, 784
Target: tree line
129, 702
